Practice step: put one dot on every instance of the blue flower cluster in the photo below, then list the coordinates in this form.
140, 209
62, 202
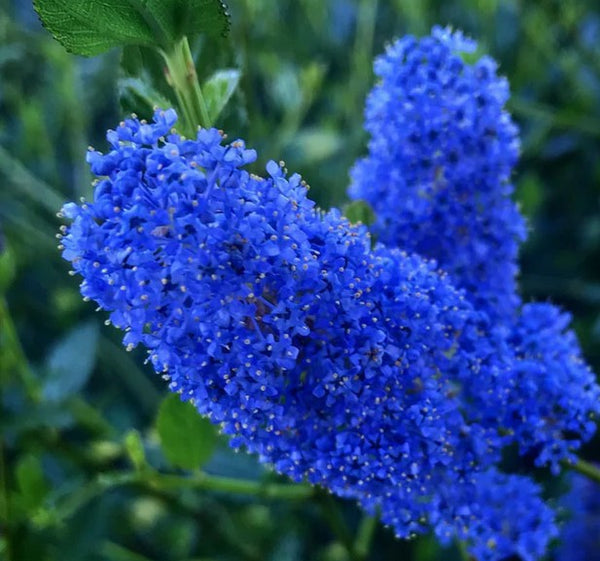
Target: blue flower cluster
554, 398
437, 175
333, 361
580, 535
441, 154
371, 371
507, 517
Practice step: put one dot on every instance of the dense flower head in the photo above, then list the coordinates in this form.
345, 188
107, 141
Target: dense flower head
541, 395
580, 535
508, 517
440, 158
496, 515
554, 403
277, 320
437, 175
350, 366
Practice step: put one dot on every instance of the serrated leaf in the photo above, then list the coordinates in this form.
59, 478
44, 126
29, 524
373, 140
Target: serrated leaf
191, 17
32, 484
89, 27
70, 362
359, 211
188, 440
218, 89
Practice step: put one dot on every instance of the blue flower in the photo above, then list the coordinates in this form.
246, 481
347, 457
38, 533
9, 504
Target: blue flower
580, 535
505, 516
441, 153
344, 365
554, 401
438, 169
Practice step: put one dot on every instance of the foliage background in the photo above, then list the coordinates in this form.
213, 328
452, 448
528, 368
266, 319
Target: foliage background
71, 397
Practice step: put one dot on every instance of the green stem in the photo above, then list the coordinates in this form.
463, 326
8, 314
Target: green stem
182, 77
192, 76
199, 481
204, 481
364, 537
585, 468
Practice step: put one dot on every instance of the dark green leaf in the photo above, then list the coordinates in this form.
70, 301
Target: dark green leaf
188, 440
71, 362
89, 27
359, 212
190, 17
218, 89
31, 481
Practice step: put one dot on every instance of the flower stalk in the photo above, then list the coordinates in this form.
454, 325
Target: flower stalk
585, 468
182, 77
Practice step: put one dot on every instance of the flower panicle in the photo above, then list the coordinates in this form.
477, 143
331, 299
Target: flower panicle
439, 164
393, 375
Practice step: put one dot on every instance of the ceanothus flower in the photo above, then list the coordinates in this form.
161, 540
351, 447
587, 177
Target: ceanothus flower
438, 168
496, 515
334, 362
580, 535
437, 175
505, 516
555, 399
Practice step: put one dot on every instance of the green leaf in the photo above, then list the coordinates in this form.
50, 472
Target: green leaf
90, 27
71, 362
359, 212
188, 440
31, 482
190, 17
218, 89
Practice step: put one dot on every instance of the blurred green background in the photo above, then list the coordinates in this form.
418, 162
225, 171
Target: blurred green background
75, 406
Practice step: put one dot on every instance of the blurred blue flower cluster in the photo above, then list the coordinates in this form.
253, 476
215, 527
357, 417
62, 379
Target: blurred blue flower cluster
394, 375
581, 532
438, 171
437, 175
